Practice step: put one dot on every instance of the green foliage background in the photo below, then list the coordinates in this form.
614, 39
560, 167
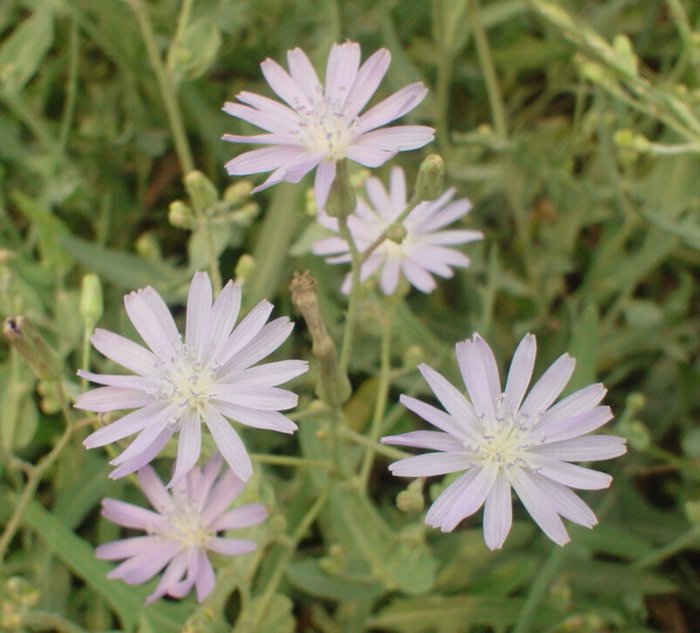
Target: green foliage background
573, 126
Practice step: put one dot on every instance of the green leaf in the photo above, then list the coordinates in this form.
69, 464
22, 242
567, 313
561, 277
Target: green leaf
311, 578
78, 555
192, 56
19, 413
23, 52
277, 617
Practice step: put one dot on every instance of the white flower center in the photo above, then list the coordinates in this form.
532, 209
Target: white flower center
183, 526
325, 127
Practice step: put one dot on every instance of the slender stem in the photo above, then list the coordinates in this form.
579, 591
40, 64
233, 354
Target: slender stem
205, 227
354, 300
382, 391
539, 588
692, 536
286, 460
284, 559
182, 21
412, 204
362, 440
167, 90
71, 85
36, 475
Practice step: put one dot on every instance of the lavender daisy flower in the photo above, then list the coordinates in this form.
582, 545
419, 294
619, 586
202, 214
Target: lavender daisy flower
207, 378
424, 248
322, 124
180, 531
504, 439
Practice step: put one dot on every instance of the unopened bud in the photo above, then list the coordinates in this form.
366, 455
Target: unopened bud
43, 360
180, 215
244, 268
147, 247
430, 177
396, 233
237, 193
411, 500
202, 191
412, 356
637, 434
91, 307
341, 198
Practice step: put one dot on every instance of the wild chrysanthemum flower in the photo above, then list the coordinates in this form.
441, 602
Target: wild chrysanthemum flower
424, 248
504, 439
322, 124
180, 384
180, 531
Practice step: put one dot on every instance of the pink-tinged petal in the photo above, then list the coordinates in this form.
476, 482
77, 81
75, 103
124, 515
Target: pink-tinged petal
285, 87
498, 513
228, 442
431, 464
547, 389
145, 438
438, 260
452, 237
436, 417
140, 569
264, 159
245, 516
245, 331
198, 310
441, 213
399, 138
138, 383
368, 155
537, 503
170, 577
153, 321
155, 491
575, 426
271, 374
570, 474
270, 420
461, 499
480, 374
144, 457
204, 580
279, 115
274, 118
329, 246
397, 188
224, 313
419, 278
104, 399
381, 202
325, 175
130, 424
131, 516
258, 347
393, 107
431, 440
254, 397
590, 448
575, 404
520, 372
128, 547
368, 79
231, 546
275, 138
189, 445
389, 278
125, 352
566, 503
304, 74
223, 494
341, 70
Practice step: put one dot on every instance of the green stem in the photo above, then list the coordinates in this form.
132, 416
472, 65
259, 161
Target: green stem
691, 537
286, 460
354, 300
284, 559
539, 588
382, 392
71, 86
165, 85
362, 440
36, 475
412, 204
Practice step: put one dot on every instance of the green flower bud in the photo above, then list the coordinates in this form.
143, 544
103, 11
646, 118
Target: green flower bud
147, 246
43, 360
91, 306
244, 268
180, 215
201, 190
430, 177
341, 198
412, 357
238, 193
411, 500
396, 233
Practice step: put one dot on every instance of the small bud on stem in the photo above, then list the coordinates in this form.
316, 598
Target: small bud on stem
42, 358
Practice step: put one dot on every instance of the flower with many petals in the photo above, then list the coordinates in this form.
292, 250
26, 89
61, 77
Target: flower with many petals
207, 378
322, 124
507, 439
180, 531
424, 250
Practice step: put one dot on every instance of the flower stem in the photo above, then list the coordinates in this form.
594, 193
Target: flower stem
354, 300
692, 536
539, 588
166, 87
286, 460
362, 440
36, 474
412, 204
281, 566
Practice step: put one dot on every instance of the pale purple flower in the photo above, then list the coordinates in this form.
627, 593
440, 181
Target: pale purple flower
207, 378
322, 124
505, 439
182, 529
424, 251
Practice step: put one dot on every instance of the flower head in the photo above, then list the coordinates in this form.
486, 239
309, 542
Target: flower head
423, 249
180, 531
207, 377
506, 439
322, 124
